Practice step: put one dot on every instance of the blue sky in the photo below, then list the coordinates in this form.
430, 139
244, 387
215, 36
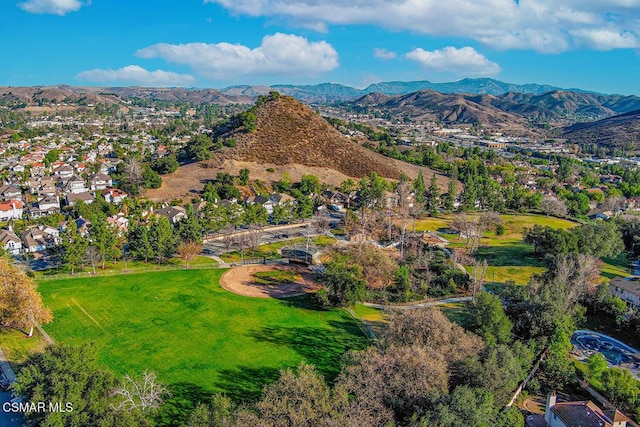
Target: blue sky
588, 44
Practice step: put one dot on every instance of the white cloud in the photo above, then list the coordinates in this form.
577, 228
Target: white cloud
384, 54
54, 7
603, 39
464, 61
542, 25
278, 54
134, 74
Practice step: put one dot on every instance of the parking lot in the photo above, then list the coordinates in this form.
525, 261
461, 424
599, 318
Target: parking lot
617, 353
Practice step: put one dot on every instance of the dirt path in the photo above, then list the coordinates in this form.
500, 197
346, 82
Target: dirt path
240, 280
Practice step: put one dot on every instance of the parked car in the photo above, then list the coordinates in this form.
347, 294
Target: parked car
4, 383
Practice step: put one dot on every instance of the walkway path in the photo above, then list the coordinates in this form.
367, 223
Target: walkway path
417, 304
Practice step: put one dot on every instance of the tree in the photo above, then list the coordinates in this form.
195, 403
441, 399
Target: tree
132, 178
432, 196
596, 365
20, 303
553, 206
466, 406
620, 387
391, 384
310, 184
343, 284
139, 245
150, 178
244, 176
419, 188
188, 251
92, 256
429, 328
189, 229
73, 246
198, 148
450, 198
165, 165
478, 273
106, 241
63, 373
301, 398
486, 317
142, 393
161, 238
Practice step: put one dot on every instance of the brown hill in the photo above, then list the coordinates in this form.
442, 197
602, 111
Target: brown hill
289, 137
43, 95
288, 131
196, 96
622, 132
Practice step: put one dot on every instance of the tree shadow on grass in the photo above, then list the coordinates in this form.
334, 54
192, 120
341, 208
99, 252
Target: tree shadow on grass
245, 384
305, 302
322, 347
184, 398
508, 256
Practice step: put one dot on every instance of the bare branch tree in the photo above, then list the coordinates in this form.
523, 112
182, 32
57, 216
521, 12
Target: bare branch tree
254, 235
553, 206
143, 393
188, 251
478, 273
228, 238
93, 256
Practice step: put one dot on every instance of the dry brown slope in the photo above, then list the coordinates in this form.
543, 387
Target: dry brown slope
291, 138
290, 132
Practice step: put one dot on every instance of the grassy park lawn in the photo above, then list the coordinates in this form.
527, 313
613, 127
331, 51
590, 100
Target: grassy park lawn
196, 336
509, 258
17, 346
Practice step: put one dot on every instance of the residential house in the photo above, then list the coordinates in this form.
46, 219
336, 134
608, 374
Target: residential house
11, 209
120, 222
336, 200
74, 185
10, 192
82, 226
43, 186
40, 238
268, 204
114, 195
10, 242
64, 171
599, 214
172, 213
100, 181
582, 413
45, 206
73, 198
628, 290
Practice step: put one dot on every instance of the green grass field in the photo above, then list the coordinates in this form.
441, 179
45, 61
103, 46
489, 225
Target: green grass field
509, 258
198, 337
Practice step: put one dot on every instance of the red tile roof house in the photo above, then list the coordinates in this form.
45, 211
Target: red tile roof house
11, 209
114, 195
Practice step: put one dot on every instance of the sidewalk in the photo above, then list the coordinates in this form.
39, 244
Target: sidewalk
6, 367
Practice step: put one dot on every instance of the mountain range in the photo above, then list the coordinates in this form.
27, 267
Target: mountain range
333, 92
